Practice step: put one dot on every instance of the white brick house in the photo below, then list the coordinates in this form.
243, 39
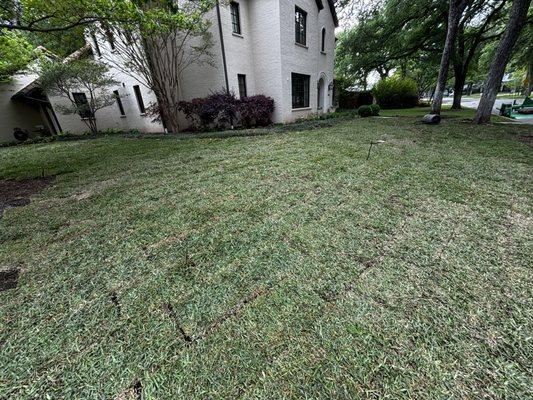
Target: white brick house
283, 49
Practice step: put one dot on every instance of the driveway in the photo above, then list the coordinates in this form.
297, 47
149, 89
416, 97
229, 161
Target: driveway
471, 102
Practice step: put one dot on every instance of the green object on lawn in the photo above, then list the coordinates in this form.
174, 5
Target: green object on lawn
527, 103
506, 109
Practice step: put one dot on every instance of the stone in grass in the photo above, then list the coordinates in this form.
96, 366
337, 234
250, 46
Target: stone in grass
9, 276
431, 119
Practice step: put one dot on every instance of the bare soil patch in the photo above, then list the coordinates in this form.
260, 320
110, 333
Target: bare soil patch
526, 139
9, 277
17, 193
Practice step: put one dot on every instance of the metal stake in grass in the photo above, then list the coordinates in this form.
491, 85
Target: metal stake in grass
371, 144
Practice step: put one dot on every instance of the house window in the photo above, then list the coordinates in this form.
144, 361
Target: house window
82, 105
96, 46
242, 85
110, 38
128, 36
300, 90
323, 48
235, 17
119, 102
139, 97
300, 25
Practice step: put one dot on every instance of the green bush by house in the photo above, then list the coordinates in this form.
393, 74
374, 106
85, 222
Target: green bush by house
364, 111
396, 92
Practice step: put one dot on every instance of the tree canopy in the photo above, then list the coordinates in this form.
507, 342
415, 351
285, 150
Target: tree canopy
15, 53
408, 37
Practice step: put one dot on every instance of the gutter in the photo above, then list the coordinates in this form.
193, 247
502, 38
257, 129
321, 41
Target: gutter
222, 46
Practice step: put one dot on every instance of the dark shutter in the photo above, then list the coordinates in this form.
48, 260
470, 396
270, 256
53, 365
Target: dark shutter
119, 102
139, 97
96, 46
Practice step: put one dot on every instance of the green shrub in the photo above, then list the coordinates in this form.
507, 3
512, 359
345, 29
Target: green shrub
375, 108
364, 111
396, 92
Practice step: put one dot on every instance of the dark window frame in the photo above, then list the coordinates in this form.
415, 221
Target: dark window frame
128, 36
300, 26
301, 86
323, 46
96, 45
80, 99
110, 38
235, 12
139, 97
243, 91
119, 103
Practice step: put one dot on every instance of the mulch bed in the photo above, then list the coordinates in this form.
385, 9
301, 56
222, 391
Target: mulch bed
17, 193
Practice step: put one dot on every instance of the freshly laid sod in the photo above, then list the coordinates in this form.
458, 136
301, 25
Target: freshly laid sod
277, 266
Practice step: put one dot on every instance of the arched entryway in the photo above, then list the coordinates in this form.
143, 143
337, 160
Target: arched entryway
320, 94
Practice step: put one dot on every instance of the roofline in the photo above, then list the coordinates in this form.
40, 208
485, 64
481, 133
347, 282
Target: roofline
333, 12
331, 4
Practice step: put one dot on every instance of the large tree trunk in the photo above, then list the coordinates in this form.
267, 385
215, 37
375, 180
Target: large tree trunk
460, 79
456, 10
501, 58
165, 80
464, 54
529, 78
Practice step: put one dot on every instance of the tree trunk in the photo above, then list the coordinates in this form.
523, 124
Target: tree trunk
460, 79
501, 58
91, 124
164, 82
456, 10
529, 79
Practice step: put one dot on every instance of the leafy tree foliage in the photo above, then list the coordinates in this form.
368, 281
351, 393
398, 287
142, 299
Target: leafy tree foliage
409, 37
481, 23
387, 36
62, 43
156, 44
396, 92
155, 39
15, 53
85, 76
60, 15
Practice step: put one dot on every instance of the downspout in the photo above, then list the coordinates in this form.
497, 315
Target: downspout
222, 46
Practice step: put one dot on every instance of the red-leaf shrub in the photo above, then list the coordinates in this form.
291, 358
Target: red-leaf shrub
220, 107
256, 110
225, 109
193, 112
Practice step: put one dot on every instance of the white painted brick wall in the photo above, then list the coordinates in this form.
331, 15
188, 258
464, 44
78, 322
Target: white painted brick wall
14, 114
265, 52
109, 117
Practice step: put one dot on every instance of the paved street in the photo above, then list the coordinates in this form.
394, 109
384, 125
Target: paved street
472, 102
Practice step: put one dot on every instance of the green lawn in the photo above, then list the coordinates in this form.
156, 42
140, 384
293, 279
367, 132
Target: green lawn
277, 266
447, 114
